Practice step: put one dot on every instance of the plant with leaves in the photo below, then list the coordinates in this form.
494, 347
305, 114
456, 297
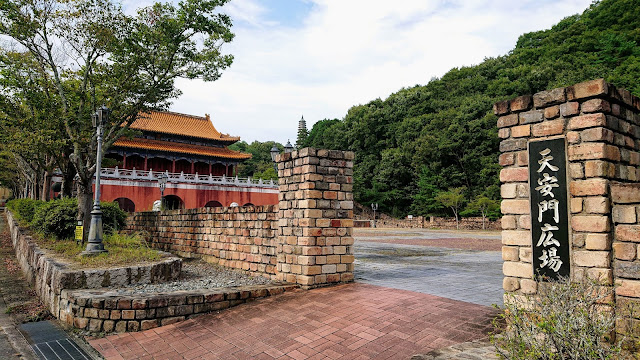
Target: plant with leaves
89, 53
564, 320
484, 206
454, 200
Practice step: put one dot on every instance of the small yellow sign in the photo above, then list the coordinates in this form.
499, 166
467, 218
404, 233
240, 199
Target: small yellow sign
79, 232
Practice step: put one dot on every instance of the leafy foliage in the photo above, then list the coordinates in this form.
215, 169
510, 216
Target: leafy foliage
24, 209
565, 320
430, 138
260, 166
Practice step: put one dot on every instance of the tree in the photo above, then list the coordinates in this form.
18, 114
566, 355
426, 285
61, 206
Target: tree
453, 199
485, 206
89, 53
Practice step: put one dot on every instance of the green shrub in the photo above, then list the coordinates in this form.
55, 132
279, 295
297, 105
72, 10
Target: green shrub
57, 218
24, 209
565, 320
113, 218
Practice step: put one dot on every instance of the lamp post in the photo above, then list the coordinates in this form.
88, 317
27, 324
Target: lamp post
95, 245
288, 148
274, 152
374, 207
162, 183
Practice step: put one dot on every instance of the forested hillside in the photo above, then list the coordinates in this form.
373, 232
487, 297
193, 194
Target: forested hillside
430, 138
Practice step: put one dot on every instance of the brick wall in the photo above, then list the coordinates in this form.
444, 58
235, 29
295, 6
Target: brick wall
601, 126
315, 217
237, 237
305, 239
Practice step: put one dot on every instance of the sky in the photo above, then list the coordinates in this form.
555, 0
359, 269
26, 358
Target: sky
318, 58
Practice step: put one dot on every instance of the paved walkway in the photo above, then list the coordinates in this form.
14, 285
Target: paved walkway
465, 275
353, 321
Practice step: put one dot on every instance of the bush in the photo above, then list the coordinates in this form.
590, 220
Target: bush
113, 218
57, 218
24, 209
565, 320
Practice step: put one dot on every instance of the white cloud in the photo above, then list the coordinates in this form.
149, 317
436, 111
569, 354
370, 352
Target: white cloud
348, 52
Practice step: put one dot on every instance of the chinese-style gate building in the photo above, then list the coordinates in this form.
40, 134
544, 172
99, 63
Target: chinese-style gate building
194, 156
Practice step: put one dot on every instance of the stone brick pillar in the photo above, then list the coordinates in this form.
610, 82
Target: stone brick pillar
601, 126
315, 217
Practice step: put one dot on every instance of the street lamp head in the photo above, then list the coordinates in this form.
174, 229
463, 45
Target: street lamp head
274, 152
94, 119
162, 181
103, 115
288, 148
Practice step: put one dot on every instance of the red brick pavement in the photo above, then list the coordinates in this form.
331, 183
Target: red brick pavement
353, 321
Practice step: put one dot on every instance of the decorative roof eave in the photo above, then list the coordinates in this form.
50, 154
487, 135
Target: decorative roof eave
166, 146
173, 123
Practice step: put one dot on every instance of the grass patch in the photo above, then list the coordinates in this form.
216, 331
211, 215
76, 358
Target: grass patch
122, 250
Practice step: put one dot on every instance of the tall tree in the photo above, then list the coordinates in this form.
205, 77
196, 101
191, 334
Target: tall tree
91, 53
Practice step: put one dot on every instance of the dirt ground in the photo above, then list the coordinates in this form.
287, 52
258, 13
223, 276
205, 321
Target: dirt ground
453, 239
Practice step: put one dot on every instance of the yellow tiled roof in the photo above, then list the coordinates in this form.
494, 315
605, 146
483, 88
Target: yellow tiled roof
180, 124
146, 144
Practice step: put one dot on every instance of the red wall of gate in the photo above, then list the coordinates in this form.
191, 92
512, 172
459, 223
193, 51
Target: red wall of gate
143, 197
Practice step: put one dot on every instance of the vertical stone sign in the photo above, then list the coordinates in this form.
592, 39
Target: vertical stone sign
549, 215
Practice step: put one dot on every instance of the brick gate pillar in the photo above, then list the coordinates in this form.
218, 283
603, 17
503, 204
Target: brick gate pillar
315, 243
600, 125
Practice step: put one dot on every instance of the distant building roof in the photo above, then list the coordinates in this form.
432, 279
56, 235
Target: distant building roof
181, 124
159, 145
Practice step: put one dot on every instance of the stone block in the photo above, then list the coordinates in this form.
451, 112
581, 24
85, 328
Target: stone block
587, 89
513, 145
552, 112
597, 205
507, 120
598, 242
576, 171
501, 107
593, 151
516, 237
531, 117
506, 159
599, 168
573, 137
587, 258
576, 205
528, 286
548, 128
590, 187
121, 326
95, 325
524, 222
593, 223
521, 131
597, 134
508, 222
80, 322
629, 288
625, 193
596, 105
517, 269
510, 253
525, 254
148, 324
629, 233
517, 207
549, 97
625, 251
514, 174
510, 284
568, 109
587, 121
624, 214
520, 103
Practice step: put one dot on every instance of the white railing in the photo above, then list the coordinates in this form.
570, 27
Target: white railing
115, 173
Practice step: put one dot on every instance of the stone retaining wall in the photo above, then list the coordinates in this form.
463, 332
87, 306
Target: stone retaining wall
237, 237
104, 310
52, 278
469, 223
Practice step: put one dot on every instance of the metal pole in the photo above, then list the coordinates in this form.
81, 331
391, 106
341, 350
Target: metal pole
94, 244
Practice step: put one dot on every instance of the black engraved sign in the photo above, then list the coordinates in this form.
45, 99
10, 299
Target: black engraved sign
549, 215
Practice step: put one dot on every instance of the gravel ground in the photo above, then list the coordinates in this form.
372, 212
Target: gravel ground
197, 274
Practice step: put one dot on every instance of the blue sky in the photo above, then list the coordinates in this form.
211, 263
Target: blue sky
320, 57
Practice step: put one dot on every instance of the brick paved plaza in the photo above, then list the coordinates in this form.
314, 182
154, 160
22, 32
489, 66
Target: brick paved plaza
352, 321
